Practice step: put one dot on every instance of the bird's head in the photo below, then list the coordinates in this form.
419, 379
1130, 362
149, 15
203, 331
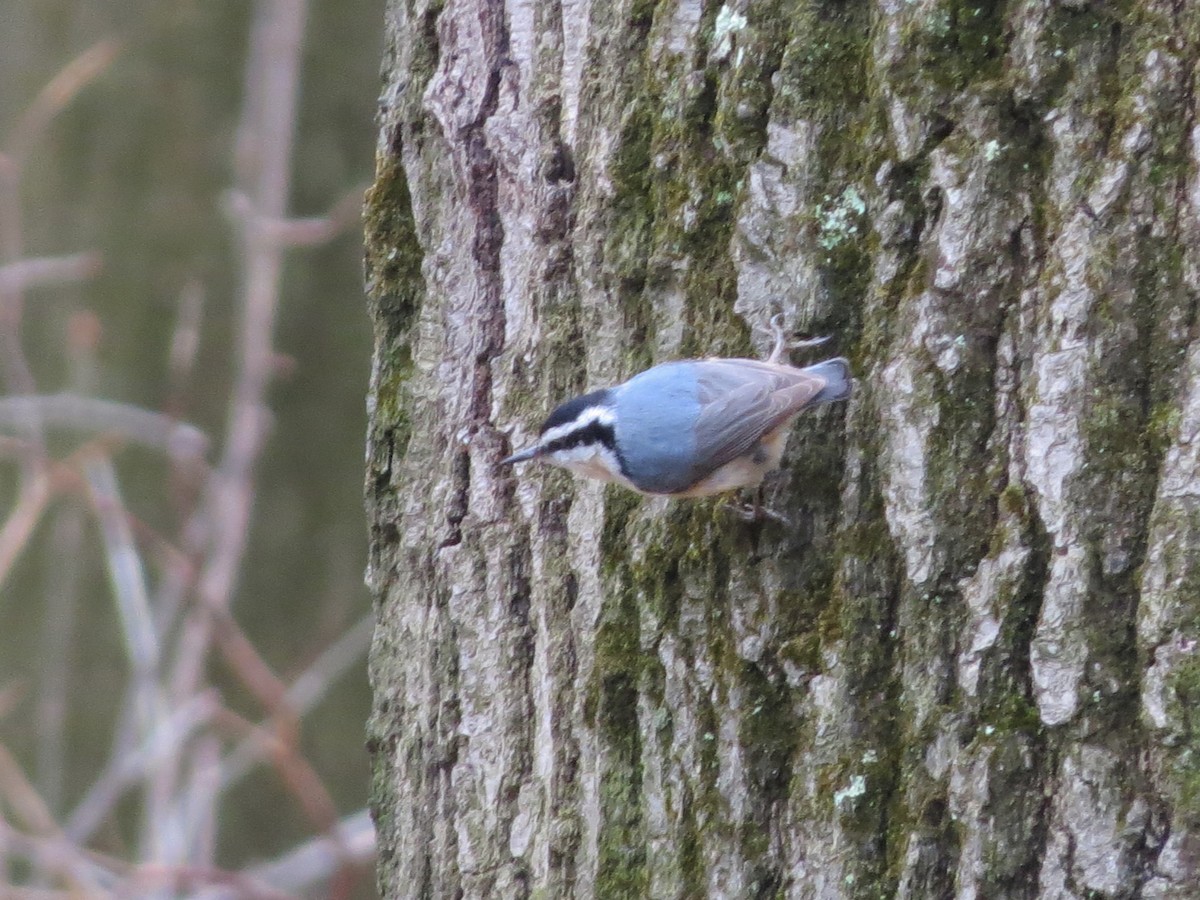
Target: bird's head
579, 435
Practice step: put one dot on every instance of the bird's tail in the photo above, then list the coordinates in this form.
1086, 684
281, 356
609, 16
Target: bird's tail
838, 381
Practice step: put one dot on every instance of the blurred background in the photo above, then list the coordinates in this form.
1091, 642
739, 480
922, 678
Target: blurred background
183, 630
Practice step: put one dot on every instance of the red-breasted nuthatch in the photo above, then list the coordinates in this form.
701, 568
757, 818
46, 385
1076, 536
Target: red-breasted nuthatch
689, 428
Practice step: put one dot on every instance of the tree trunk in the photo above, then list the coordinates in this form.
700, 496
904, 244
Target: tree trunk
968, 667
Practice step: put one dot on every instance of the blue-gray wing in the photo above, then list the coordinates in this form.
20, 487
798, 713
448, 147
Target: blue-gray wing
743, 400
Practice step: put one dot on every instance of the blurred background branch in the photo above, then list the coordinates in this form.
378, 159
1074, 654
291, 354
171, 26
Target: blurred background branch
151, 531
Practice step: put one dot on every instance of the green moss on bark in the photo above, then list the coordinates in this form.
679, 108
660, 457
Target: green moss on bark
956, 42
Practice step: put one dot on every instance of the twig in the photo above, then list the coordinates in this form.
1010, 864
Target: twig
52, 99
51, 478
24, 800
282, 742
46, 270
14, 535
126, 769
306, 232
319, 858
305, 692
201, 800
173, 751
22, 797
263, 158
131, 423
58, 94
266, 134
127, 578
51, 854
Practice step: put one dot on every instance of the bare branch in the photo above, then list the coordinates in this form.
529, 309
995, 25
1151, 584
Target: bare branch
282, 741
321, 857
176, 751
266, 134
306, 232
312, 684
201, 800
52, 99
58, 94
126, 576
55, 855
209, 881
48, 270
14, 367
132, 423
47, 845
22, 797
305, 692
14, 535
126, 769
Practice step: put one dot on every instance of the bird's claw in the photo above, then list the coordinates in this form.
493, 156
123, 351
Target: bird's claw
783, 345
756, 512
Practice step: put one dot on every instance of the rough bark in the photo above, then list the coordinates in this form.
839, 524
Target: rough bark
969, 669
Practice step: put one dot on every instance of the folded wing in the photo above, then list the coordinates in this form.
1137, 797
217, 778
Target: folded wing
742, 400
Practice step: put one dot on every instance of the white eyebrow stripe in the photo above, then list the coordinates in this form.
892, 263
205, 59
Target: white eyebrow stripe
600, 414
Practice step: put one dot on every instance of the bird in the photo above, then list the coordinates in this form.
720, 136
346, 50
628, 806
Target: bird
692, 427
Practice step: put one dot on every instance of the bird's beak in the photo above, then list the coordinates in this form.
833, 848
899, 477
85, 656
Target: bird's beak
522, 456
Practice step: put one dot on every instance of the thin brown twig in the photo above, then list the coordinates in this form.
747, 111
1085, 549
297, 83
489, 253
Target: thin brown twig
321, 857
297, 774
283, 746
252, 670
22, 797
58, 94
283, 743
305, 692
18, 527
148, 876
24, 800
64, 476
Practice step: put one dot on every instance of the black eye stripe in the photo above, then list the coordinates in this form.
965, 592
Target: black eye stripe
592, 433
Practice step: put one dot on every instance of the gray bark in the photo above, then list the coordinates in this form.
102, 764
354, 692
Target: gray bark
969, 668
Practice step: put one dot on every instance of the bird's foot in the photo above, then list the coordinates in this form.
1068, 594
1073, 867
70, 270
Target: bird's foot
783, 345
756, 512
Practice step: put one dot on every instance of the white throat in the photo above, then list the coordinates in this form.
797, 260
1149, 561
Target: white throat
589, 460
